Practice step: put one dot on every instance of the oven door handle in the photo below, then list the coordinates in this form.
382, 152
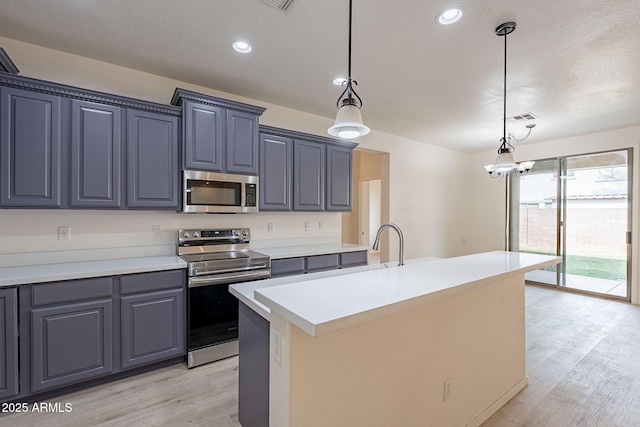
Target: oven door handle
218, 279
198, 271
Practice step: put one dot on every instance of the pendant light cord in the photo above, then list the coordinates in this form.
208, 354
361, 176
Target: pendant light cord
504, 111
349, 66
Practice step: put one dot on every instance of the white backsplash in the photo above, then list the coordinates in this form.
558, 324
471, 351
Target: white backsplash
121, 234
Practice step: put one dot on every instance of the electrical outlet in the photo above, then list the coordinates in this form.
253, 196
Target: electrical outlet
270, 227
307, 226
157, 231
276, 342
447, 389
320, 226
64, 232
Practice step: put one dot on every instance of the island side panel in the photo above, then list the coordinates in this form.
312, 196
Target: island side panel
392, 370
253, 369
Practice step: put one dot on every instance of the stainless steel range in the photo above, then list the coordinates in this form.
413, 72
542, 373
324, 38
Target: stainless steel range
216, 259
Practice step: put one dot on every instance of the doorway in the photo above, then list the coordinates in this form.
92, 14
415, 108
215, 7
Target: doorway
370, 202
579, 208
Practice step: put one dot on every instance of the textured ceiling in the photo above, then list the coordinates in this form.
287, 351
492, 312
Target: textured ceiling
574, 63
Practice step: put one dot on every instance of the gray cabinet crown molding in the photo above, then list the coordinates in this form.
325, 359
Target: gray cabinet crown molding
180, 95
6, 64
294, 134
66, 91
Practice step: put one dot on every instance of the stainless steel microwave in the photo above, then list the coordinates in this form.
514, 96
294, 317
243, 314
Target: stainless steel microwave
211, 192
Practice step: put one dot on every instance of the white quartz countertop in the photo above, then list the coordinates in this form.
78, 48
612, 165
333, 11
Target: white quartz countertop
310, 250
324, 305
10, 276
245, 291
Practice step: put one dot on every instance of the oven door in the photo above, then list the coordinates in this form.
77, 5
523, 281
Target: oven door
212, 315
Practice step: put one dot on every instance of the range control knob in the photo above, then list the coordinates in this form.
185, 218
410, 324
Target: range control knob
186, 235
196, 234
236, 233
244, 233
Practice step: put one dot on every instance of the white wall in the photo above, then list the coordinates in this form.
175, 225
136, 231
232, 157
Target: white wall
428, 189
486, 195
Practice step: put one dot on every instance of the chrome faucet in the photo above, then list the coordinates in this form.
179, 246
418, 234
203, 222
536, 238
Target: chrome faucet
376, 243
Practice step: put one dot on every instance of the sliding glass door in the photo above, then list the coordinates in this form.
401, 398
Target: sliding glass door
579, 208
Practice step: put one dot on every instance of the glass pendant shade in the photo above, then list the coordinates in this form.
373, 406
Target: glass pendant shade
348, 123
504, 162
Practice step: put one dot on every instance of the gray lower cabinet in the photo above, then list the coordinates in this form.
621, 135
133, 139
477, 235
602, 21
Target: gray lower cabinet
314, 263
70, 334
31, 148
276, 168
152, 321
96, 155
8, 343
323, 262
152, 160
308, 175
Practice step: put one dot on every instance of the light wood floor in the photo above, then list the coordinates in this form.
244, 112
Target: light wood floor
583, 364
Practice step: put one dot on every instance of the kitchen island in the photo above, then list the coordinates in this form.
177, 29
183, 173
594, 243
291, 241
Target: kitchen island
439, 342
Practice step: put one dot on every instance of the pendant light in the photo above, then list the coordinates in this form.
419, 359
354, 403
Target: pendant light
504, 162
348, 122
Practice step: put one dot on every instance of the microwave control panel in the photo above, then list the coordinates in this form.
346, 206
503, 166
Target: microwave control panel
251, 196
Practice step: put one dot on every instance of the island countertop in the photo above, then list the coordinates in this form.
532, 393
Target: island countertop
327, 304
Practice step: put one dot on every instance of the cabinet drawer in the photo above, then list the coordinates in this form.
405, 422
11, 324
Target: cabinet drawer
353, 259
145, 282
69, 291
287, 266
322, 262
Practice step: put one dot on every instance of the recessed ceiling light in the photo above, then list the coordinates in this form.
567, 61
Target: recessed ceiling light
242, 46
450, 15
339, 81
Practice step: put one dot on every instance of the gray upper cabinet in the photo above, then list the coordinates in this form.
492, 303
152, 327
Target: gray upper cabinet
339, 160
276, 168
219, 135
152, 160
31, 147
203, 136
242, 142
304, 172
8, 343
62, 146
308, 175
96, 150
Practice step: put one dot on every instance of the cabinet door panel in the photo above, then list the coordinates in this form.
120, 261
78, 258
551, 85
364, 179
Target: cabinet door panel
30, 148
96, 141
152, 327
322, 262
287, 266
8, 343
152, 160
203, 136
338, 178
276, 166
70, 343
242, 143
308, 176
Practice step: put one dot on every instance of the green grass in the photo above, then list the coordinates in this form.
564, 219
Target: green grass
601, 268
